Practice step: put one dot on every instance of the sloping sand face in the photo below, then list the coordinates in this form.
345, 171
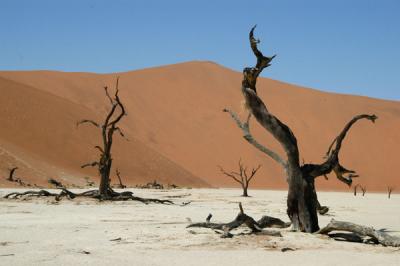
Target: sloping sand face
178, 131
43, 232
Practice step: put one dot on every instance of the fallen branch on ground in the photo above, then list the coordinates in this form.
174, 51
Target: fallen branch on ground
65, 193
362, 233
242, 218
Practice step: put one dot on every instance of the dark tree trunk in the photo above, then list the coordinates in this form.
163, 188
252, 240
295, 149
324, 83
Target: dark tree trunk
302, 198
302, 202
105, 169
245, 191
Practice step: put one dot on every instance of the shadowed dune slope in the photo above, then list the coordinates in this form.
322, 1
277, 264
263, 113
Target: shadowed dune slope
177, 130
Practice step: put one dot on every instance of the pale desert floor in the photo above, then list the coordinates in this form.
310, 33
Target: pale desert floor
85, 232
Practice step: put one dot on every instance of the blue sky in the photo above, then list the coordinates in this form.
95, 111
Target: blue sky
350, 47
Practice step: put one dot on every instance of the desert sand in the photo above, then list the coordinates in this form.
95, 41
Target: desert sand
42, 231
177, 131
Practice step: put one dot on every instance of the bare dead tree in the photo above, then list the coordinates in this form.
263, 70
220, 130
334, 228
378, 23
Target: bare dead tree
302, 202
105, 192
11, 175
355, 189
242, 177
389, 190
12, 178
108, 128
118, 173
363, 189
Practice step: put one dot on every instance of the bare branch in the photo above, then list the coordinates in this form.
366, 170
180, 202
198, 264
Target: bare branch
108, 95
121, 185
93, 164
230, 175
249, 138
87, 121
262, 61
332, 162
99, 148
119, 103
253, 172
121, 133
339, 139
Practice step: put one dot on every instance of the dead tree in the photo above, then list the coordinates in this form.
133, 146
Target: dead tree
363, 189
11, 175
18, 180
389, 190
242, 177
118, 173
108, 128
105, 192
355, 189
302, 203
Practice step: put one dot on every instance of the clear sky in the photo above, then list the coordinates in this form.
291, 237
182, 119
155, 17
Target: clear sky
341, 46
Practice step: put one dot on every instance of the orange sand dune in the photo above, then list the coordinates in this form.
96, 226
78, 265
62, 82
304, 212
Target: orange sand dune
39, 135
178, 131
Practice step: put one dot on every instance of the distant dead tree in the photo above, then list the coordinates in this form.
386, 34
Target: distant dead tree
11, 175
12, 178
389, 190
118, 173
302, 201
242, 177
108, 128
363, 189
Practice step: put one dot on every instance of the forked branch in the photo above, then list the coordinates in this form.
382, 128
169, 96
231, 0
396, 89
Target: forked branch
332, 162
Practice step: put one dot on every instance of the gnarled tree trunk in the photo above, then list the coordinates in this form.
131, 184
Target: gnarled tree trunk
302, 202
107, 131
